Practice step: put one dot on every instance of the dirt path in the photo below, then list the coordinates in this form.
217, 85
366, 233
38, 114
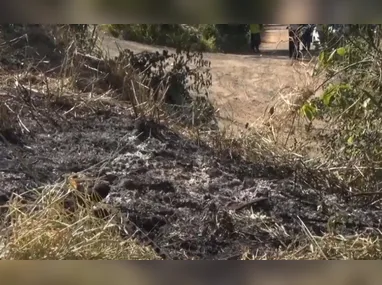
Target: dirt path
243, 85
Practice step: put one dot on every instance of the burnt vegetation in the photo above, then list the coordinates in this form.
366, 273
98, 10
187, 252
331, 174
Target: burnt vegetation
118, 142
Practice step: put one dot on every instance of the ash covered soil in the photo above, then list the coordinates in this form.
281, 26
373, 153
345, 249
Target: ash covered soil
188, 200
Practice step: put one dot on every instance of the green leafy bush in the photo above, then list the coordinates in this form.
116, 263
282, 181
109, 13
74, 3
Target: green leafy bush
351, 104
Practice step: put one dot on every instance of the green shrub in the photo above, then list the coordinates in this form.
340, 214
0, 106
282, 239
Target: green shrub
350, 104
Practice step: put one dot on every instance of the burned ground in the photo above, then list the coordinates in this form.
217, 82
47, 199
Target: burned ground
188, 200
185, 199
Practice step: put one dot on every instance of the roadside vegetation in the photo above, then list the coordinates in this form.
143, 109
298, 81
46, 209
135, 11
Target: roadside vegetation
65, 63
350, 107
202, 37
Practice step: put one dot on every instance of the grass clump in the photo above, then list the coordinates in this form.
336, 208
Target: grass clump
43, 228
328, 247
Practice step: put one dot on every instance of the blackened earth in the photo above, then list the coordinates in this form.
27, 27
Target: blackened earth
186, 199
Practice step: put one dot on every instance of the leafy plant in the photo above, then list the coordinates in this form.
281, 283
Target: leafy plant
351, 104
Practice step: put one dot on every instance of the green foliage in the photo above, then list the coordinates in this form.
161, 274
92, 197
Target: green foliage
351, 104
201, 37
177, 36
309, 110
232, 38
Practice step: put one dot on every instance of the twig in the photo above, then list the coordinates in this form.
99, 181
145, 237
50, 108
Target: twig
250, 203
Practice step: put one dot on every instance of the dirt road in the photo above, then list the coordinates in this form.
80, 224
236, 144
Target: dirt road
243, 85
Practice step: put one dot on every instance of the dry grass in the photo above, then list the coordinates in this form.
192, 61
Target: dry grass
284, 123
328, 247
43, 228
